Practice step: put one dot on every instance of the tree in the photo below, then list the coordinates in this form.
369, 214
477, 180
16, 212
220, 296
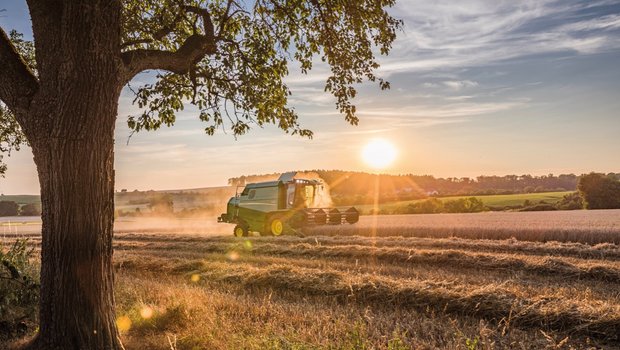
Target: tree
226, 58
9, 208
599, 191
31, 209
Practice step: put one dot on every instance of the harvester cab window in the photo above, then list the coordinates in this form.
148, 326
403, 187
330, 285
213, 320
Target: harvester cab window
290, 195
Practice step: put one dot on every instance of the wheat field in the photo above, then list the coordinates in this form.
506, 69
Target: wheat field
366, 293
384, 287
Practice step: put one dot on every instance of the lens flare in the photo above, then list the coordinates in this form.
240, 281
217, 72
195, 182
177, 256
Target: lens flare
247, 245
146, 312
232, 256
123, 323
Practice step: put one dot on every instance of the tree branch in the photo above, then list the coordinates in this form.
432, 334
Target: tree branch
155, 36
181, 61
17, 83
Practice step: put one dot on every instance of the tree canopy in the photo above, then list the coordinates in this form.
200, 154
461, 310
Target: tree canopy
600, 191
229, 59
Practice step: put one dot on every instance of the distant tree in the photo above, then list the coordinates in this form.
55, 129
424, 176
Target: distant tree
571, 201
31, 209
428, 206
9, 208
464, 205
599, 191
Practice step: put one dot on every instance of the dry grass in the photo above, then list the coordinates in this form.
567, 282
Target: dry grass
409, 283
322, 293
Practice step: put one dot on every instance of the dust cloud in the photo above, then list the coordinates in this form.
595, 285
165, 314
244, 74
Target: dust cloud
323, 198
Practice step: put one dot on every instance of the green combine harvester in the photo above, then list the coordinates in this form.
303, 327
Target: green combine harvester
281, 207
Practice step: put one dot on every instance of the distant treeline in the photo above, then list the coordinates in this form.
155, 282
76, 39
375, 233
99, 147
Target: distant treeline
348, 187
12, 208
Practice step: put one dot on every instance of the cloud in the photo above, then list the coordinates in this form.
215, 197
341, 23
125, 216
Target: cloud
460, 84
449, 35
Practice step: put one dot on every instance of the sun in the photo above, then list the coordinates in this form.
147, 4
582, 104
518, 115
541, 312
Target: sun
379, 153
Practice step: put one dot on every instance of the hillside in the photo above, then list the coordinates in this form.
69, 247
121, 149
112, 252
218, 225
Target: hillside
349, 187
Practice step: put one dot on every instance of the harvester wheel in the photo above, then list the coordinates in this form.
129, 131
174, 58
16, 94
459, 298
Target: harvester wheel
240, 231
276, 227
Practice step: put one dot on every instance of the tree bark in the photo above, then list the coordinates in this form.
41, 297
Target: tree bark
75, 164
77, 189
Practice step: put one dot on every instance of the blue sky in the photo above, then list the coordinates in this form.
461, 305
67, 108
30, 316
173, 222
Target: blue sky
478, 87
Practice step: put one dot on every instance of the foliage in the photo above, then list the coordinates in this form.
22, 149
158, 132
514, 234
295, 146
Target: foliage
571, 201
9, 208
241, 80
464, 205
19, 289
600, 191
30, 209
11, 136
428, 206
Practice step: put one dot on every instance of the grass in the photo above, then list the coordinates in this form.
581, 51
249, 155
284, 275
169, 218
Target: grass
362, 293
500, 201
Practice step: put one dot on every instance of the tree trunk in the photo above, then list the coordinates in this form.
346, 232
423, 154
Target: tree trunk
77, 193
72, 138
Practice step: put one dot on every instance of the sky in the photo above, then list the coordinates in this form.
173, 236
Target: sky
477, 88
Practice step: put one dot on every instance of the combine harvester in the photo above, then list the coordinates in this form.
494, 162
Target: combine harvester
281, 207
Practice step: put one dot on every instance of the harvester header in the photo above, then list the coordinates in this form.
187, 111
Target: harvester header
283, 206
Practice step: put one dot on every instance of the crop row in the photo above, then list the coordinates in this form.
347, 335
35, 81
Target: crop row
492, 302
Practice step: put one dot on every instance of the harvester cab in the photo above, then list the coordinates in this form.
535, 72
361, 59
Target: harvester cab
284, 206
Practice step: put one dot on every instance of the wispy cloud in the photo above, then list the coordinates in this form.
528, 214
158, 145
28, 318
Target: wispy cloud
447, 35
460, 84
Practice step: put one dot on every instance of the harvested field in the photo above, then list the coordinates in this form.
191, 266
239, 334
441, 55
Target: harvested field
354, 292
334, 292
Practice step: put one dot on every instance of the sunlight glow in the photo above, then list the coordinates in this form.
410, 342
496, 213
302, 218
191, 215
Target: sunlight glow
232, 256
123, 323
379, 153
146, 312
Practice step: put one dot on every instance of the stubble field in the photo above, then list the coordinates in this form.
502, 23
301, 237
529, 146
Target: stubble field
376, 285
